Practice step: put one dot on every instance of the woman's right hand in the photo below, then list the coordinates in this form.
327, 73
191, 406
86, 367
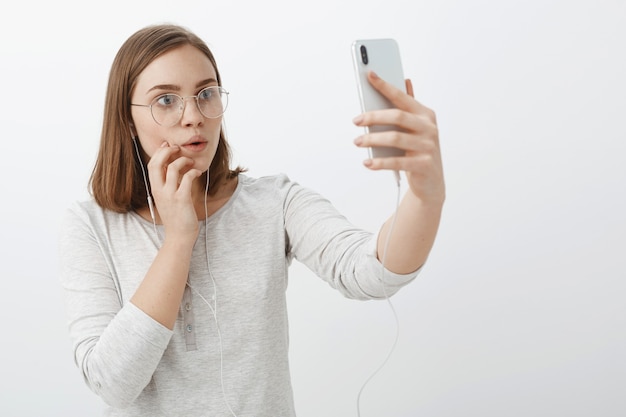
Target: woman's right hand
171, 178
160, 293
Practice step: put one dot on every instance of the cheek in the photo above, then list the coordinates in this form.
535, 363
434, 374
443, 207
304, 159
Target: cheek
216, 128
147, 131
150, 140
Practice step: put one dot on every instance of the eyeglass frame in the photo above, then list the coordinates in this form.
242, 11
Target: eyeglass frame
221, 90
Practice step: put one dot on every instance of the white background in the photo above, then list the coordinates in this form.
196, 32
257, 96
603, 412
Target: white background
520, 310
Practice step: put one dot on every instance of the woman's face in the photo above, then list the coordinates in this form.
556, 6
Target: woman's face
183, 71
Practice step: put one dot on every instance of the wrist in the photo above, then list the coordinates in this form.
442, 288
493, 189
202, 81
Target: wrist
180, 241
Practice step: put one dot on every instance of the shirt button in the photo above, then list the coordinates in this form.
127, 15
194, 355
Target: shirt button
189, 328
187, 306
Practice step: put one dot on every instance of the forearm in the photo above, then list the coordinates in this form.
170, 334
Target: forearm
121, 361
161, 291
413, 234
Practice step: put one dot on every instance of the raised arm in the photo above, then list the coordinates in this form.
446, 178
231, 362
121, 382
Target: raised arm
419, 213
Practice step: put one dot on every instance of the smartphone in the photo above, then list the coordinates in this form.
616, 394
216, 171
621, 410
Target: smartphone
383, 57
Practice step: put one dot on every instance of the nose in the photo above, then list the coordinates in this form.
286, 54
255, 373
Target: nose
191, 113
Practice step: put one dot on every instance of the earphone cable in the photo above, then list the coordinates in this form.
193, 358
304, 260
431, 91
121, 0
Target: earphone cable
213, 307
145, 181
387, 298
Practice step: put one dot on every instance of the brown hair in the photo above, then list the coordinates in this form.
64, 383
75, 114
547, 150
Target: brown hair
116, 181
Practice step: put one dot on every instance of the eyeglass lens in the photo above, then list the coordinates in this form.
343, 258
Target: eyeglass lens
167, 109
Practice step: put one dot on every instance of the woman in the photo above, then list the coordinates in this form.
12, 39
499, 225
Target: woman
175, 272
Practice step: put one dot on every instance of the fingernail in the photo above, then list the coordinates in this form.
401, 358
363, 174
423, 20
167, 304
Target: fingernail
357, 120
358, 140
367, 162
164, 144
374, 75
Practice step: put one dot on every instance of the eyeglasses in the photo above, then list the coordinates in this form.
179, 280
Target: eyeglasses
167, 109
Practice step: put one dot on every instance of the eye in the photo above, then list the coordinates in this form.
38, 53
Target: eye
166, 100
206, 94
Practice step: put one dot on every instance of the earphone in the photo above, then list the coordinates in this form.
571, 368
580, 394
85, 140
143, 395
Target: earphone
143, 172
213, 307
384, 288
145, 181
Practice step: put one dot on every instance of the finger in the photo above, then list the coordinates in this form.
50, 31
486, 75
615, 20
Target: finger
157, 165
386, 117
390, 163
420, 123
397, 97
175, 170
396, 139
187, 180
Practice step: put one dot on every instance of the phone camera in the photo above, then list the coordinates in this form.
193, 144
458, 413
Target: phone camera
364, 57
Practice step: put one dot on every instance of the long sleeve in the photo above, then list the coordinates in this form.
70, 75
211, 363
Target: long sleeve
116, 346
240, 262
332, 247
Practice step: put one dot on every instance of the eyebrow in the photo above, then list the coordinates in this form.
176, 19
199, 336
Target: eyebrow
173, 87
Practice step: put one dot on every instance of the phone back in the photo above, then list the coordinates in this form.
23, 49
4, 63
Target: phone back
383, 57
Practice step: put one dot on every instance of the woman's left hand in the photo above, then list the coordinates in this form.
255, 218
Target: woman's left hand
417, 135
